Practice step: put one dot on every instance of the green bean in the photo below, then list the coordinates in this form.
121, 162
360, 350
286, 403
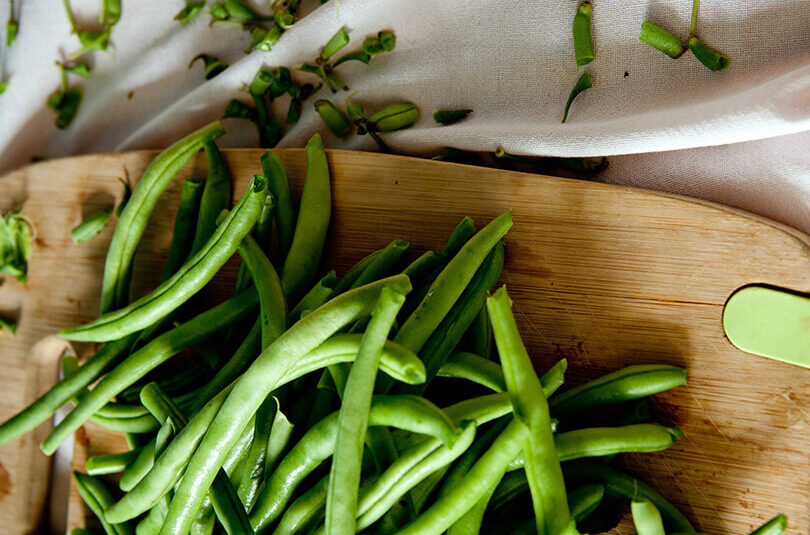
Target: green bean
656, 36
168, 467
279, 185
452, 328
775, 526
278, 441
147, 358
139, 467
344, 479
513, 484
204, 521
133, 220
470, 522
227, 505
90, 225
446, 117
151, 523
140, 424
531, 408
301, 263
40, 410
97, 497
263, 233
423, 266
338, 41
383, 264
216, 196
597, 441
305, 512
479, 334
477, 369
584, 500
459, 237
318, 295
263, 376
584, 82
583, 42
318, 444
450, 284
442, 456
254, 473
470, 457
273, 307
622, 485
354, 272
715, 61
485, 473
646, 518
81, 531
185, 224
629, 383
394, 117
335, 119
212, 65
194, 274
109, 464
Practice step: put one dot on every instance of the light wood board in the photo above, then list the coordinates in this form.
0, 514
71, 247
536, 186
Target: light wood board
602, 275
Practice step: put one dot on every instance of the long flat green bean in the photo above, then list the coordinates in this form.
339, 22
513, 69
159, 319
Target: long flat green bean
133, 220
302, 261
272, 305
344, 479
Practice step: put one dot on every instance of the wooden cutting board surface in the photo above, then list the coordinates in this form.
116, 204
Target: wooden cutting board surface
604, 276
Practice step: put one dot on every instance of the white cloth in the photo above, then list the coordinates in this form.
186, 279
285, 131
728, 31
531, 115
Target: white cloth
738, 137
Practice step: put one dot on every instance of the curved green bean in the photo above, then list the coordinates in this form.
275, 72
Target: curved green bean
263, 376
139, 424
190, 278
344, 478
285, 213
622, 485
584, 500
423, 266
355, 271
302, 261
216, 196
254, 471
629, 383
409, 412
133, 220
598, 441
383, 264
185, 224
469, 366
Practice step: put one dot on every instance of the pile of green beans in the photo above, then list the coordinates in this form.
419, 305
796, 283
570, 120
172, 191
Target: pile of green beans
397, 399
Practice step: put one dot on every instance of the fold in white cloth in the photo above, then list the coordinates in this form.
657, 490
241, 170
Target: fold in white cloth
738, 137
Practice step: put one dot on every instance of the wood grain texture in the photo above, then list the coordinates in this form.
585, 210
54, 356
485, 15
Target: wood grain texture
602, 275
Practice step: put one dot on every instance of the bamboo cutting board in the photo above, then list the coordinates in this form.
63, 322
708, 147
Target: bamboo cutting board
601, 275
